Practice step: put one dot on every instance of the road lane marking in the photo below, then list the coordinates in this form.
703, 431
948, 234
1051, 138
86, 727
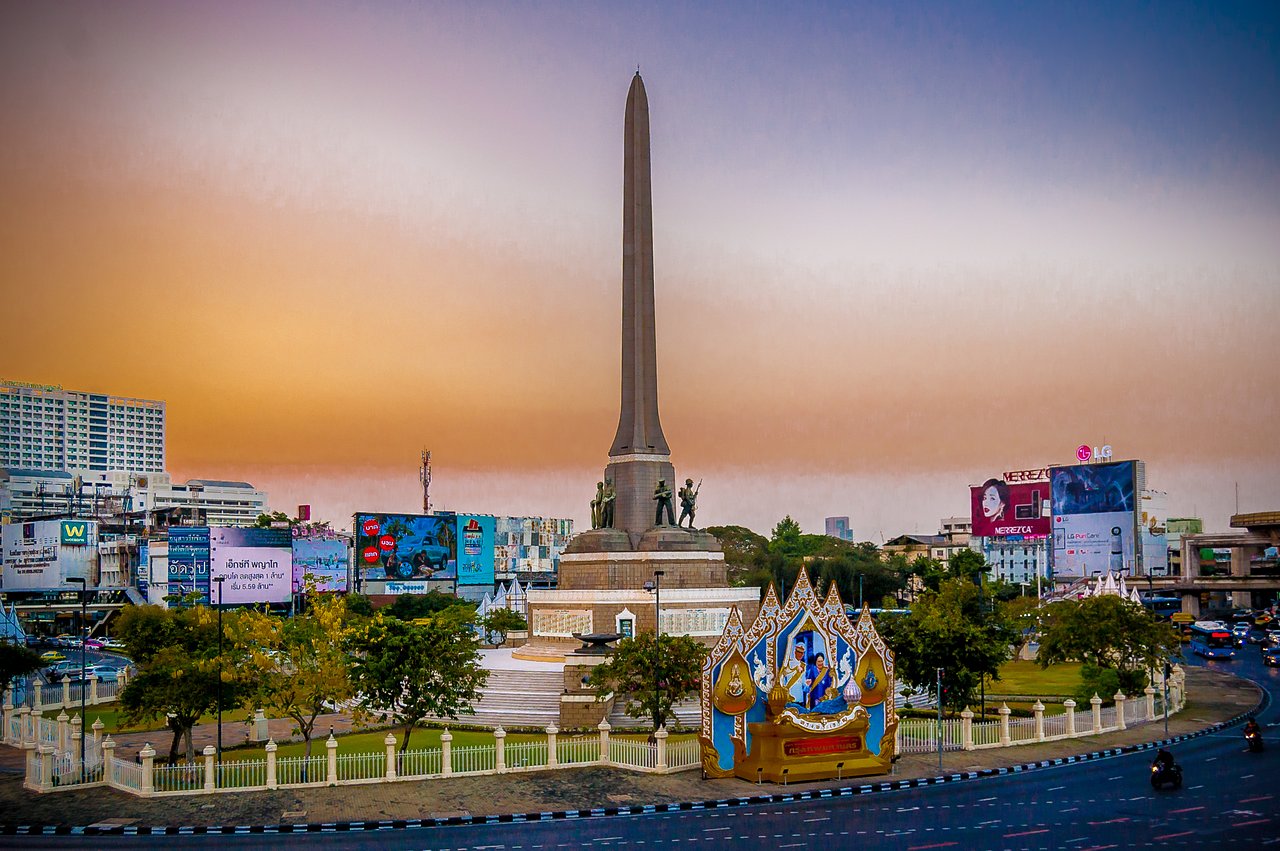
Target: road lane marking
1056, 788
1173, 835
710, 829
597, 839
1245, 776
1185, 810
984, 800
824, 818
1110, 821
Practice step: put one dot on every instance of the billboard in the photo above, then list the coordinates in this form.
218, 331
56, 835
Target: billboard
322, 561
257, 564
1095, 518
413, 548
35, 557
1010, 510
189, 561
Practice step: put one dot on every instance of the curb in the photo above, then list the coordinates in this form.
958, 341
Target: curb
608, 812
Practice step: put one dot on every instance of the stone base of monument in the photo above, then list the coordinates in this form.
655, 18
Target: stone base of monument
787, 753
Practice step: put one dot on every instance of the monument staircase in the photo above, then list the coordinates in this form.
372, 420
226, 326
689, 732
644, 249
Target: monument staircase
514, 699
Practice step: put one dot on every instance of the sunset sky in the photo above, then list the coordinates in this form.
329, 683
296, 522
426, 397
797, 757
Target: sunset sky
899, 247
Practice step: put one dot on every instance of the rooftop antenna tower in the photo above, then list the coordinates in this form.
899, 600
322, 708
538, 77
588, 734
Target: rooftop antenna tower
424, 475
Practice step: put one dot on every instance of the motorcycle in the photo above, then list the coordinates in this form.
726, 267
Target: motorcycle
1254, 738
1162, 773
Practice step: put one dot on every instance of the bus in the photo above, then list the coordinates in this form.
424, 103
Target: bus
1163, 607
1212, 640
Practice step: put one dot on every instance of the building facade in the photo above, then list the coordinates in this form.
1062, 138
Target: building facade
838, 527
43, 427
528, 548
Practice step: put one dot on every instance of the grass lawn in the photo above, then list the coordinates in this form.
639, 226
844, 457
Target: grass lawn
113, 717
1019, 677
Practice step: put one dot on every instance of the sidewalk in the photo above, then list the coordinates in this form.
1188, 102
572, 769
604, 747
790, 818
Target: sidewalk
1212, 697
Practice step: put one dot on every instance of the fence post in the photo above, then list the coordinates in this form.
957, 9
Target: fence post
1070, 706
966, 729
390, 742
604, 729
63, 718
46, 767
32, 775
1150, 694
108, 754
148, 756
24, 724
37, 717
446, 752
122, 678
272, 747
499, 749
1005, 740
210, 777
77, 733
1096, 703
97, 726
331, 745
1038, 709
1120, 699
37, 695
660, 735
93, 688
261, 731
551, 746
7, 711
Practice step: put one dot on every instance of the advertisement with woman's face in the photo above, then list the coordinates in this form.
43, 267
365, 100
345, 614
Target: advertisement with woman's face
1002, 510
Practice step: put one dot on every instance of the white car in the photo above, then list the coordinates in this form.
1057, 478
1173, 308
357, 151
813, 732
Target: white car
113, 644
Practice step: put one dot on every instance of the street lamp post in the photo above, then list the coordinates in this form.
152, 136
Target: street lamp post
84, 676
656, 587
219, 580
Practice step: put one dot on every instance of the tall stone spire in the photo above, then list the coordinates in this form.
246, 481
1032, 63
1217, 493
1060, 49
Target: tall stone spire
639, 429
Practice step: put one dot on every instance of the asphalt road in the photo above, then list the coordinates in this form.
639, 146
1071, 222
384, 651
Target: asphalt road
1229, 800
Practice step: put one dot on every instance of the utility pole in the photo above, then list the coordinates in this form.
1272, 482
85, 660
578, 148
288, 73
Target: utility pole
940, 720
424, 476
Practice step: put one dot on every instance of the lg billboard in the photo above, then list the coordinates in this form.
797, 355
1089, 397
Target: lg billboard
1095, 519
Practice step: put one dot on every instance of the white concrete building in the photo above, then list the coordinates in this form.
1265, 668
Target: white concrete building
43, 427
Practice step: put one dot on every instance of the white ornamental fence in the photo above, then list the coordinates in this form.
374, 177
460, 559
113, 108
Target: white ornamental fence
53, 751
67, 693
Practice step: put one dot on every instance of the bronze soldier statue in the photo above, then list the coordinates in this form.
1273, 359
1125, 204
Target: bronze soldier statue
662, 494
606, 505
597, 505
688, 501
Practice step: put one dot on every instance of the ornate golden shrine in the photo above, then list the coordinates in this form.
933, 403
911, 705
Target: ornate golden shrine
801, 694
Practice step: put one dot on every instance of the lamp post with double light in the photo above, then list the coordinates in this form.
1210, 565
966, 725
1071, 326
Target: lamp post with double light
219, 580
656, 587
84, 674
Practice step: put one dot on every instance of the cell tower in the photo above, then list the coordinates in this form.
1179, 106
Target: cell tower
424, 475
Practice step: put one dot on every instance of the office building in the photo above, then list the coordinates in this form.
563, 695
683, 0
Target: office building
838, 527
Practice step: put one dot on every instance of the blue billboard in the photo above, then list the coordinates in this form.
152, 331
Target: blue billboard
1095, 519
189, 561
405, 547
321, 561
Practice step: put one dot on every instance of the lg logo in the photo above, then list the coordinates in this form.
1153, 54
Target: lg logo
1097, 453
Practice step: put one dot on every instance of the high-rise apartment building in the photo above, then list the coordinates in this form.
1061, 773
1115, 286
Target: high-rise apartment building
43, 427
838, 527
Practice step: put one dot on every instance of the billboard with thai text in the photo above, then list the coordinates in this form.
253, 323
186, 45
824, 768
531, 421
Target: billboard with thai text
1003, 509
189, 561
37, 555
255, 565
410, 548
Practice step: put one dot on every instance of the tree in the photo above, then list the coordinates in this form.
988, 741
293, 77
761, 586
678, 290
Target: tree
786, 538
948, 629
417, 670
359, 606
503, 621
408, 607
967, 564
1107, 631
264, 521
743, 548
651, 676
179, 670
16, 660
304, 667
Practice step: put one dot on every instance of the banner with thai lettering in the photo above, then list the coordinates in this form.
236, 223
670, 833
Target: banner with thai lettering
256, 565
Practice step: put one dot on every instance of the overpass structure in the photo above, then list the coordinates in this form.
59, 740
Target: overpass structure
1259, 531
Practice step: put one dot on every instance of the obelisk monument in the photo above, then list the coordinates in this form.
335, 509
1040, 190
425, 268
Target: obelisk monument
639, 457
